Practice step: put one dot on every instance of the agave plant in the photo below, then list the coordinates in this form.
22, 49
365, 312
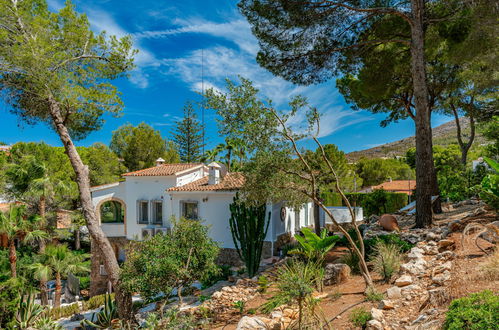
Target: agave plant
314, 247
105, 317
46, 323
28, 311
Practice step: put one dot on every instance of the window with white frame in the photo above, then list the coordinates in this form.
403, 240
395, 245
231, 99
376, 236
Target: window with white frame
189, 210
157, 212
143, 212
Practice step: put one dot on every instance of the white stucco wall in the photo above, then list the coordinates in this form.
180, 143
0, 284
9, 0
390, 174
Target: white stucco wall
115, 191
341, 214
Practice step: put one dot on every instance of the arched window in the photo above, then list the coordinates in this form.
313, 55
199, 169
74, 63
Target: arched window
112, 212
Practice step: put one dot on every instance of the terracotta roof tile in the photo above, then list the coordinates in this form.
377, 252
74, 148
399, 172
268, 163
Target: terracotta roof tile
397, 185
163, 170
231, 181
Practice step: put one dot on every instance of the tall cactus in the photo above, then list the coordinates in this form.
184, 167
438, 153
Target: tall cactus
248, 226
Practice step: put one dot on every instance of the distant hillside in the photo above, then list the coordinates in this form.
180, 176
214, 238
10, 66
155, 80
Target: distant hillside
443, 135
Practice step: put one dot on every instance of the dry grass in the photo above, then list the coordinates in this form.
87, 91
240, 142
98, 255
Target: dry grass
489, 271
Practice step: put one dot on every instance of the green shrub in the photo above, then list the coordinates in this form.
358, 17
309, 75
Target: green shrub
376, 202
84, 282
314, 247
359, 317
286, 248
352, 260
386, 260
477, 311
95, 302
9, 299
393, 239
373, 295
263, 283
63, 311
222, 274
239, 305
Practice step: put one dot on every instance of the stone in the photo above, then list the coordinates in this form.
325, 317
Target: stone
479, 211
431, 249
414, 267
440, 279
288, 312
413, 288
217, 294
386, 304
442, 268
431, 236
491, 236
420, 318
394, 292
374, 325
389, 222
415, 253
276, 315
403, 280
445, 245
254, 323
227, 289
377, 314
446, 255
336, 273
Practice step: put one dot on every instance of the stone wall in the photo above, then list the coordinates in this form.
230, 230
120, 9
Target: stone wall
98, 282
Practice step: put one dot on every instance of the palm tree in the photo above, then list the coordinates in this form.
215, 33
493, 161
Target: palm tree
58, 261
15, 224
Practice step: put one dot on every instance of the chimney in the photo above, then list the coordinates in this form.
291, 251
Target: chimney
160, 161
214, 176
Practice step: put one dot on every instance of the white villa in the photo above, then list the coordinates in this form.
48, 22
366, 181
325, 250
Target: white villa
143, 204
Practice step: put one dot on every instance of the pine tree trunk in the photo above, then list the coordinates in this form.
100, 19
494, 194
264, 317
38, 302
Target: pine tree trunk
12, 258
424, 154
77, 239
123, 299
58, 290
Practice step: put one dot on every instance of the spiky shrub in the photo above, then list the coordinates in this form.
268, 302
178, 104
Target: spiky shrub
359, 317
313, 246
28, 311
105, 316
296, 281
386, 260
478, 311
46, 323
248, 225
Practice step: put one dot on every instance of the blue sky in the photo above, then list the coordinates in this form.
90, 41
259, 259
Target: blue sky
171, 37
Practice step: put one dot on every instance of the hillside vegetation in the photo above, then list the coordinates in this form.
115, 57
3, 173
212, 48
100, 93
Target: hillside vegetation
443, 135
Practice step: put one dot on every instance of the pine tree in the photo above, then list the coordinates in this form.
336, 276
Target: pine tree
188, 135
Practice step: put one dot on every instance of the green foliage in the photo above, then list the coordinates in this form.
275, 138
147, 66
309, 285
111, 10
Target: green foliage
489, 190
181, 257
314, 247
375, 171
56, 313
9, 300
491, 133
359, 317
376, 202
239, 305
188, 136
351, 260
105, 316
288, 247
95, 301
175, 320
63, 68
28, 311
139, 146
477, 311
373, 295
103, 164
389, 239
84, 282
46, 323
221, 274
263, 283
248, 225
296, 281
386, 259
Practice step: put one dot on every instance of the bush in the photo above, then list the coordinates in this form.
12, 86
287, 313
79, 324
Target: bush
95, 301
359, 317
386, 260
376, 202
477, 311
373, 295
222, 274
351, 259
9, 300
84, 282
63, 311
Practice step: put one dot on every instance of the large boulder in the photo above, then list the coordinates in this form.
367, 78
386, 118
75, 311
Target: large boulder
336, 273
389, 222
251, 323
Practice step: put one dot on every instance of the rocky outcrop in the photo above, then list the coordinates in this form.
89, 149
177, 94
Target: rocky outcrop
336, 273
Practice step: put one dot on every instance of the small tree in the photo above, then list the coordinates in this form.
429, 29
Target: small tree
248, 225
59, 261
170, 261
278, 170
16, 225
188, 136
